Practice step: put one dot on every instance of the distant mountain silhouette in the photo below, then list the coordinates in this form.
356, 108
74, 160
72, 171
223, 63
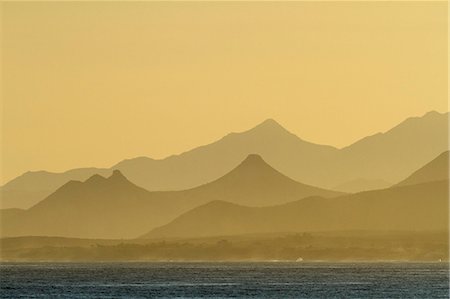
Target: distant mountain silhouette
419, 207
33, 186
116, 208
393, 155
255, 183
193, 168
436, 170
97, 207
359, 185
388, 156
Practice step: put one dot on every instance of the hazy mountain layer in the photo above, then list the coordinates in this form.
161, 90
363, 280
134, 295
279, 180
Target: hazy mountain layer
360, 185
389, 156
33, 186
409, 208
116, 208
436, 170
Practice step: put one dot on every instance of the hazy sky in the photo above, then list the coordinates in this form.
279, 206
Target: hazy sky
89, 84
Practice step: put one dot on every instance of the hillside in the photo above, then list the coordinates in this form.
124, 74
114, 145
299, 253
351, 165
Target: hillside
116, 208
99, 206
33, 186
359, 185
437, 169
410, 208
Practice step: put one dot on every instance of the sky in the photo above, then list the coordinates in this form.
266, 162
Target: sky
93, 83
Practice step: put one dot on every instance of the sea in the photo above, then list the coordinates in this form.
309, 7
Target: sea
224, 280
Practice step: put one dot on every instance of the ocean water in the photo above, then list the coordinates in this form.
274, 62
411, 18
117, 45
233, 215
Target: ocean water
224, 280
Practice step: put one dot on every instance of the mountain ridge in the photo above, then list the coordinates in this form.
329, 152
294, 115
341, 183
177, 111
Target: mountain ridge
437, 169
115, 207
419, 207
388, 156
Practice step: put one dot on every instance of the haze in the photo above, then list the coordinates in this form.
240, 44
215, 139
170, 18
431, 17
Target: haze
89, 84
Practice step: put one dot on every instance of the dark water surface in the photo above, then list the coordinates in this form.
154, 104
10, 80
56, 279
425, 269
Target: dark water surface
224, 280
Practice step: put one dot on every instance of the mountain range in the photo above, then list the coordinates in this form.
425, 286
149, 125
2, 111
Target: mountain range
252, 198
421, 207
114, 207
418, 203
372, 162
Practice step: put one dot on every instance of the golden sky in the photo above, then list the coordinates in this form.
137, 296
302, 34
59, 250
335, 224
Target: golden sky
92, 83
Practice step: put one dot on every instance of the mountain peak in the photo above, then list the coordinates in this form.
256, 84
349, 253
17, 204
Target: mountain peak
268, 129
95, 179
252, 167
117, 175
270, 123
253, 159
433, 113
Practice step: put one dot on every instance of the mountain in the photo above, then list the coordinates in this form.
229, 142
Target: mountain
388, 156
436, 170
421, 207
268, 139
180, 172
96, 207
359, 185
393, 155
116, 208
33, 186
255, 183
